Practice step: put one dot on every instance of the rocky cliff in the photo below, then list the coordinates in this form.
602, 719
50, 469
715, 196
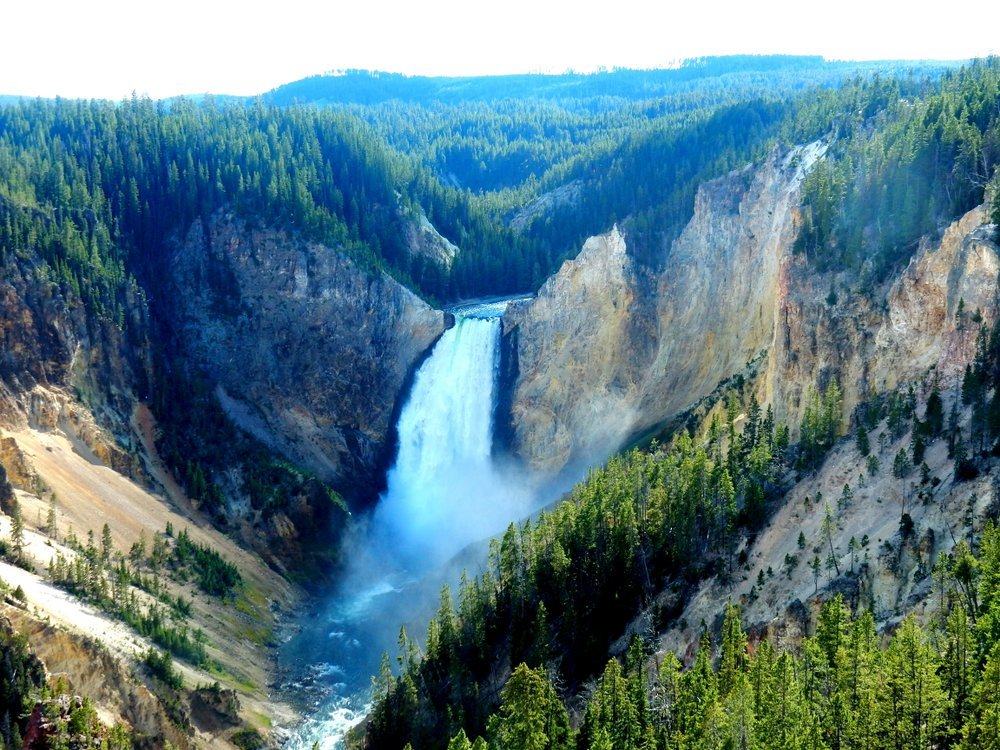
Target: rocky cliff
611, 347
422, 239
308, 352
64, 364
873, 340
920, 328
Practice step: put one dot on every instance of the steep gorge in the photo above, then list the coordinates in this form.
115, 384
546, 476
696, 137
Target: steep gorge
307, 354
310, 353
610, 348
735, 307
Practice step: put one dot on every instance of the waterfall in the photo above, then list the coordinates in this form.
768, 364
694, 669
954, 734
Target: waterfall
443, 492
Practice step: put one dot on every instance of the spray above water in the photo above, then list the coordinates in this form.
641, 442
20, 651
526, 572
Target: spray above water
444, 491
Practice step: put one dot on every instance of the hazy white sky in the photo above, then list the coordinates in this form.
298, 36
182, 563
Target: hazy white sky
108, 48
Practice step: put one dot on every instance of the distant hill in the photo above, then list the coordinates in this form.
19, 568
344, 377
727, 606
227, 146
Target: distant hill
373, 87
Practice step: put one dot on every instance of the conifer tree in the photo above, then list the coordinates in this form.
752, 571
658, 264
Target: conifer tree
531, 716
51, 524
698, 692
107, 546
733, 656
982, 730
934, 414
16, 529
861, 439
460, 741
957, 671
612, 712
911, 705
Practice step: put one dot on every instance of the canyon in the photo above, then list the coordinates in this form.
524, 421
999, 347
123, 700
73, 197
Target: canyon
313, 355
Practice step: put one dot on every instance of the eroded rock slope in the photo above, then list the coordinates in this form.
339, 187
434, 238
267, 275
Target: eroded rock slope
611, 347
308, 352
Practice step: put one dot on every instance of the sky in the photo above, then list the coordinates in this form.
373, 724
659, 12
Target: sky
111, 48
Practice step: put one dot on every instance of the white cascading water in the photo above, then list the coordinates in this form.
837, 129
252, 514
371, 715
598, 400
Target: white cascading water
443, 493
444, 490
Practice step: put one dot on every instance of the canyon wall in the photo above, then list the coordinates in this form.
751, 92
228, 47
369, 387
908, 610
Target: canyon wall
62, 365
307, 351
922, 319
610, 347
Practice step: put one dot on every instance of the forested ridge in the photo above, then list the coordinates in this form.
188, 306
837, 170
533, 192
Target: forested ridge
696, 76
92, 195
350, 175
505, 665
641, 151
903, 173
141, 170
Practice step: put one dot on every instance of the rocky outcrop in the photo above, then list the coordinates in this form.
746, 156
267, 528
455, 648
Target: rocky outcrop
308, 352
50, 341
611, 347
582, 347
925, 318
91, 671
544, 204
423, 240
888, 569
65, 364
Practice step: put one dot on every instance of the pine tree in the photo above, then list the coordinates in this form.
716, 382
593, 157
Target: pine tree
982, 730
531, 716
612, 711
107, 546
780, 706
740, 726
828, 528
733, 658
862, 682
460, 741
846, 498
16, 529
957, 670
665, 694
698, 692
934, 414
911, 705
831, 627
900, 464
918, 448
816, 566
861, 439
51, 524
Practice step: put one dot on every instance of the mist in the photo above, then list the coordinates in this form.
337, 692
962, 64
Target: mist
445, 494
